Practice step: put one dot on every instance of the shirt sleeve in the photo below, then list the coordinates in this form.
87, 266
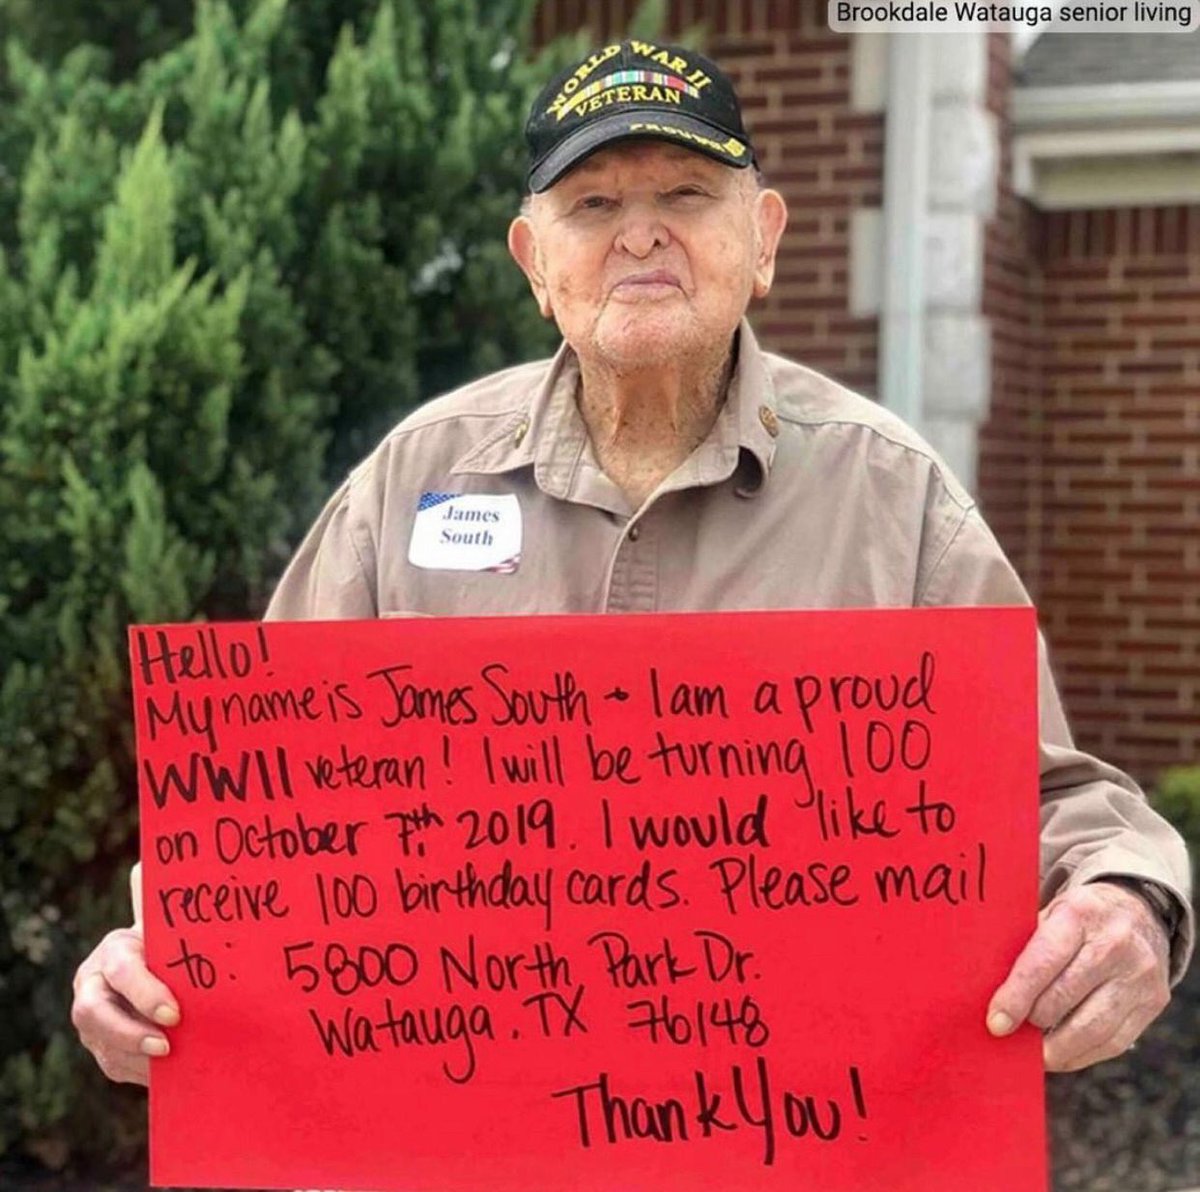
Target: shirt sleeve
1095, 820
332, 576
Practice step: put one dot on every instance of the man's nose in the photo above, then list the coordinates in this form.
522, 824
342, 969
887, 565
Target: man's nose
641, 230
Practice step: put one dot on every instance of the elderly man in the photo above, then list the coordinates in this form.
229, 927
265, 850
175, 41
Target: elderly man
662, 461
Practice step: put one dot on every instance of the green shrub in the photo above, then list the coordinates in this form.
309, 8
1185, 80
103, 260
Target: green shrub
1178, 798
224, 268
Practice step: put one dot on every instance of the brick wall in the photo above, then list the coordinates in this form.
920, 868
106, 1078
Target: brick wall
1009, 459
793, 77
1120, 478
1090, 460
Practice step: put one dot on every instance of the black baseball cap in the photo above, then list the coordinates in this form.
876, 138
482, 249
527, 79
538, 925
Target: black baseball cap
634, 89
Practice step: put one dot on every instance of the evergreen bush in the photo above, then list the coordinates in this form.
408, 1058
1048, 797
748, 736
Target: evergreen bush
1177, 797
227, 262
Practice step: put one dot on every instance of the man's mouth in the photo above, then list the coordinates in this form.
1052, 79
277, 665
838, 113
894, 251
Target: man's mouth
654, 283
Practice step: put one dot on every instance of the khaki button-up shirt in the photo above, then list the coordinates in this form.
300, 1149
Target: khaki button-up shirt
803, 495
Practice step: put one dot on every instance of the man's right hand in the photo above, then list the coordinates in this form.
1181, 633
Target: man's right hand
120, 1007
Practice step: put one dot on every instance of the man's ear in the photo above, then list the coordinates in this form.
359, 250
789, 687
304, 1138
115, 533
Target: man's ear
770, 213
522, 244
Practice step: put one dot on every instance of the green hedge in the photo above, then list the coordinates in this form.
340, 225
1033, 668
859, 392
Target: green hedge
225, 267
1178, 798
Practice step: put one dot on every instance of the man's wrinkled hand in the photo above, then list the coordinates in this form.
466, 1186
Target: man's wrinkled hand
1093, 976
120, 1006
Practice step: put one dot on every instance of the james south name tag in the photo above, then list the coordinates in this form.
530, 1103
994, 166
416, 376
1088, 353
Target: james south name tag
453, 532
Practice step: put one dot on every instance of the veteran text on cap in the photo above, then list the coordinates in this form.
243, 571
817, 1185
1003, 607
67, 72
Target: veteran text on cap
628, 90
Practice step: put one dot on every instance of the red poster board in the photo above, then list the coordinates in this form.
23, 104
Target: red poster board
709, 901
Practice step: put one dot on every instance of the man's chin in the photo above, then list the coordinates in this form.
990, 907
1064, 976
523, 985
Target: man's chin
648, 336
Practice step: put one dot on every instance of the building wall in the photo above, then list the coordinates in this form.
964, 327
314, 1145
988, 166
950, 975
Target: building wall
1009, 460
1090, 460
793, 77
1119, 478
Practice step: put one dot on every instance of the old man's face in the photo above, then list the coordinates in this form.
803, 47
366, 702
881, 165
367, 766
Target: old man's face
648, 253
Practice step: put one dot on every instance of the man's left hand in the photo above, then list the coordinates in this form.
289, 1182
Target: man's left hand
1093, 977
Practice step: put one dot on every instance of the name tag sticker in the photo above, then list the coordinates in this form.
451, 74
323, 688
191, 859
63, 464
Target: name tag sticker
476, 532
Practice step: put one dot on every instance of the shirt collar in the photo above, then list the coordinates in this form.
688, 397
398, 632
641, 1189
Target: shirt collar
549, 433
753, 402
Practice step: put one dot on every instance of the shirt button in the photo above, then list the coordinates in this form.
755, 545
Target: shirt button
767, 417
635, 532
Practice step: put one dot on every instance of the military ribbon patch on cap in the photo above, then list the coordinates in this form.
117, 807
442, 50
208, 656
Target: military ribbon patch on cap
634, 89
